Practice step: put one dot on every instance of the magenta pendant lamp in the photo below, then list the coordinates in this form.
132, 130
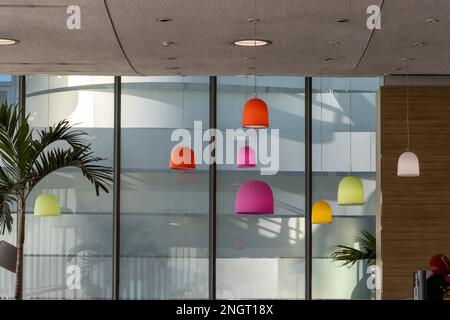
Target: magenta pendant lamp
246, 158
254, 197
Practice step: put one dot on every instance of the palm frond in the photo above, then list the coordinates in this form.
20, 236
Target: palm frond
348, 256
83, 159
6, 218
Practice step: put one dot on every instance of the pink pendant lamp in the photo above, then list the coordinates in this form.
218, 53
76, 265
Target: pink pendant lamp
254, 197
246, 158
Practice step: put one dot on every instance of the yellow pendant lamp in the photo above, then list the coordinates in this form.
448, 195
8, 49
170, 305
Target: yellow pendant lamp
321, 211
47, 205
350, 190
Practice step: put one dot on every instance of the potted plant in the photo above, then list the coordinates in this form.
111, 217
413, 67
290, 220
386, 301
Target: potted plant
28, 157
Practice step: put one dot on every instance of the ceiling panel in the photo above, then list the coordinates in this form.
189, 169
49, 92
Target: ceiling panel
48, 46
202, 30
403, 24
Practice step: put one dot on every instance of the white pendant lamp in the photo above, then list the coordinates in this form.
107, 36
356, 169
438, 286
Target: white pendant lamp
408, 162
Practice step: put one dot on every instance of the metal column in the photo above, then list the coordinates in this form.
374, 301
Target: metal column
308, 188
212, 192
116, 188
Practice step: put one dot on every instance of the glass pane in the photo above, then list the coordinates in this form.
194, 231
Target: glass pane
331, 162
262, 256
9, 89
70, 257
164, 213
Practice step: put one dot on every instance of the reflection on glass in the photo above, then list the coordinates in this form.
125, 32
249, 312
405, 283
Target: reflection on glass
262, 257
70, 257
164, 213
329, 279
8, 93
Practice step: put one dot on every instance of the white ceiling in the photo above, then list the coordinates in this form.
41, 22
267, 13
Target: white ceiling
124, 37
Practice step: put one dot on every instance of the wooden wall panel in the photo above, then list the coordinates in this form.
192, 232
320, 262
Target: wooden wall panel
415, 216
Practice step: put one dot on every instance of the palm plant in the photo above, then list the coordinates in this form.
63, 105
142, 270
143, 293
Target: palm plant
348, 256
27, 158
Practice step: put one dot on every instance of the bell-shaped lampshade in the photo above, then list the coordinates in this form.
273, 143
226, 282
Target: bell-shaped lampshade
256, 114
182, 158
246, 158
408, 165
350, 192
321, 213
47, 205
254, 197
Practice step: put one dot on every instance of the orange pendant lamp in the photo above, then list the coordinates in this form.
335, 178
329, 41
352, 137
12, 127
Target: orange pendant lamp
256, 114
182, 158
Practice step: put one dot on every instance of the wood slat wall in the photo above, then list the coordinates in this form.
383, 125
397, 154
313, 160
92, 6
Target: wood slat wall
415, 214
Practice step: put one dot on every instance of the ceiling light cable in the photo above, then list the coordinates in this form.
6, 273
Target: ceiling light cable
350, 81
255, 21
321, 134
407, 104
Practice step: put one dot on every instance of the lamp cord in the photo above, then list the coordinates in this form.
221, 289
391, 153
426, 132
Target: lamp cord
182, 104
407, 105
255, 21
321, 134
350, 83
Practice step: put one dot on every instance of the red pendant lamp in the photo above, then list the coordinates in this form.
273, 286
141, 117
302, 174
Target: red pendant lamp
182, 158
256, 113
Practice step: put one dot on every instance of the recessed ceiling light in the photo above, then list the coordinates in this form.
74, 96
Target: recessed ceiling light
253, 20
343, 20
252, 43
166, 43
418, 44
406, 59
327, 59
432, 20
8, 42
165, 19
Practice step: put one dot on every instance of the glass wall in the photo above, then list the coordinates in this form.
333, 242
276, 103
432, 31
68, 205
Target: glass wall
70, 257
262, 256
9, 90
332, 123
164, 213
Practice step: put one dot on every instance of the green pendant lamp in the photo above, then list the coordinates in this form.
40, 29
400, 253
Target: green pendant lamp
47, 205
350, 190
321, 211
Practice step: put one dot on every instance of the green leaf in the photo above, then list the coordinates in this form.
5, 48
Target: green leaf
348, 256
